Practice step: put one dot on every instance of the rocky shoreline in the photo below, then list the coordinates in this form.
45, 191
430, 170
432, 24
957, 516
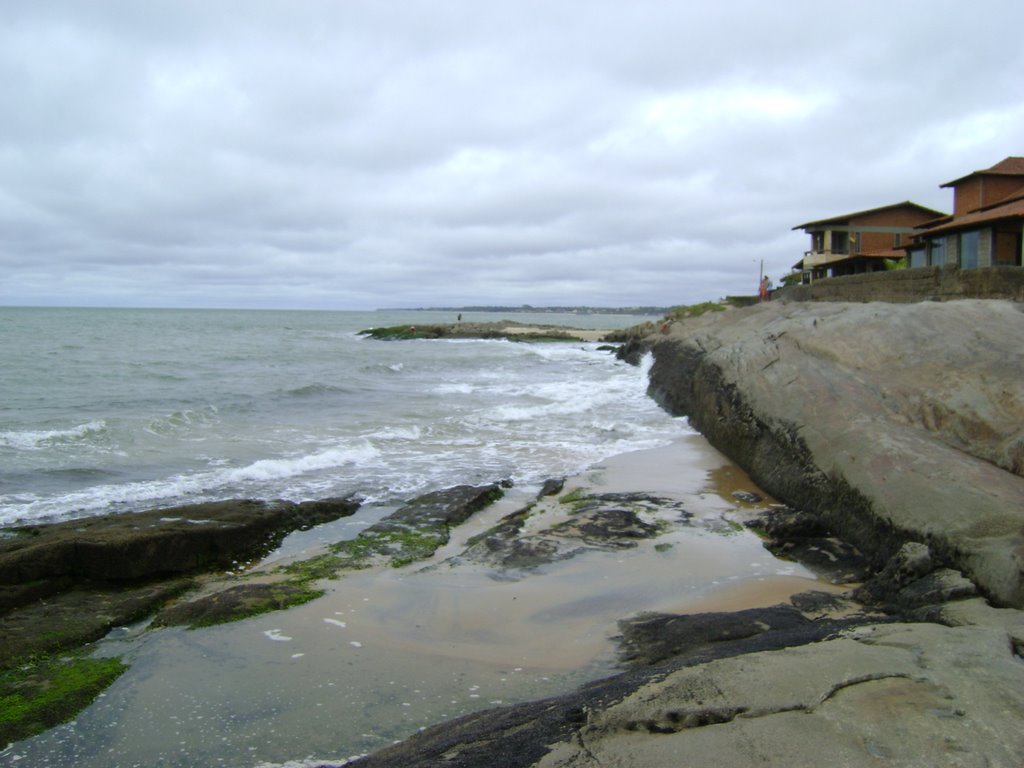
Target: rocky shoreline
893, 435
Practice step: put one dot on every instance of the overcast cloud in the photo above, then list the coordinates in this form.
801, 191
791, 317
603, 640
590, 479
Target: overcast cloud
356, 154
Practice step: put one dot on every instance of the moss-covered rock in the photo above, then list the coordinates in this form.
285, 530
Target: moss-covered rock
416, 530
238, 602
413, 532
39, 694
155, 544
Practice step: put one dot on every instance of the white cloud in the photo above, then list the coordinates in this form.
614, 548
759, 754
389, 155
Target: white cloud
362, 154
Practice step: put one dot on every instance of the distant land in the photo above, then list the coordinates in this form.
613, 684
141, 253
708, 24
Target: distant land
552, 310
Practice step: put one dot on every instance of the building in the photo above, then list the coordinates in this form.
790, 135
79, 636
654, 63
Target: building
861, 242
985, 229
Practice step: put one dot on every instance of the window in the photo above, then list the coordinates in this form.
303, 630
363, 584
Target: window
918, 258
969, 249
840, 242
937, 251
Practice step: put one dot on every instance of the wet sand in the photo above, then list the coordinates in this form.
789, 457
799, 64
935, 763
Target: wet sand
386, 652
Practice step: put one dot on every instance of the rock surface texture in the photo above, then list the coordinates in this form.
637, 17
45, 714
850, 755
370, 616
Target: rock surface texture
891, 423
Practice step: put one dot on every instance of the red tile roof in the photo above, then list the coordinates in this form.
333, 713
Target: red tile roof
1010, 166
848, 216
1011, 208
883, 253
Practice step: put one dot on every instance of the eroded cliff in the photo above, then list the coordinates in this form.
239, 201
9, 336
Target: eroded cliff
893, 423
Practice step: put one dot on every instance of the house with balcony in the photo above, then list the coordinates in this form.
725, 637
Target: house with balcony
986, 228
861, 242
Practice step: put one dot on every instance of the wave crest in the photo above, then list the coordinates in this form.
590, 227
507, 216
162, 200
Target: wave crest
31, 440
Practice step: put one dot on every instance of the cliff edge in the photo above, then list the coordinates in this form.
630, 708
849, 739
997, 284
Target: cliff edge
891, 422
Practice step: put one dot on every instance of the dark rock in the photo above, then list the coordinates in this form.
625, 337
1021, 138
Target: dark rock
67, 584
748, 496
815, 602
784, 523
911, 562
796, 535
830, 558
71, 619
940, 586
632, 351
531, 552
597, 522
909, 583
158, 543
418, 528
552, 487
613, 528
504, 548
234, 603
652, 638
447, 507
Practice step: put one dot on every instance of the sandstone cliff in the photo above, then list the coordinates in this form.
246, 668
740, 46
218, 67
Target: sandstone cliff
893, 423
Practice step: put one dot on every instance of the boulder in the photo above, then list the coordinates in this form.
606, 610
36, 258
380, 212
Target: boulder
891, 423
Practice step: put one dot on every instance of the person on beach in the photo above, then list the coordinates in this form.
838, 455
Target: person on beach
762, 290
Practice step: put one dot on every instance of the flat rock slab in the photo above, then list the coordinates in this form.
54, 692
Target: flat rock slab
599, 521
79, 616
132, 546
67, 584
893, 422
653, 638
903, 694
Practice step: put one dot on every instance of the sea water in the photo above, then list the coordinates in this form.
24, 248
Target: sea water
120, 410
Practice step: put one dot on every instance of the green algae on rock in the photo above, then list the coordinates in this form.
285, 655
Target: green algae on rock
414, 532
39, 694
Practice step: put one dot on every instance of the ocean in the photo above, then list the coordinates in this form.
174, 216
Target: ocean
119, 410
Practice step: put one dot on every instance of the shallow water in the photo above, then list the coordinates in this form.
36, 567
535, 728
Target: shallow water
387, 652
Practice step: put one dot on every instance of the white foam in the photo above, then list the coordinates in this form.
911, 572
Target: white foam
276, 469
412, 432
275, 634
535, 412
335, 622
32, 440
453, 389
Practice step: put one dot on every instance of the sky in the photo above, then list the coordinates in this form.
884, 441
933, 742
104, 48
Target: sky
359, 154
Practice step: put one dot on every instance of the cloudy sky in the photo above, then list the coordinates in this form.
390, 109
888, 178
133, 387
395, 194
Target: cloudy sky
354, 154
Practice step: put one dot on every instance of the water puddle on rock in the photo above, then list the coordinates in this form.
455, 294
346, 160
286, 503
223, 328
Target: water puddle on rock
386, 652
